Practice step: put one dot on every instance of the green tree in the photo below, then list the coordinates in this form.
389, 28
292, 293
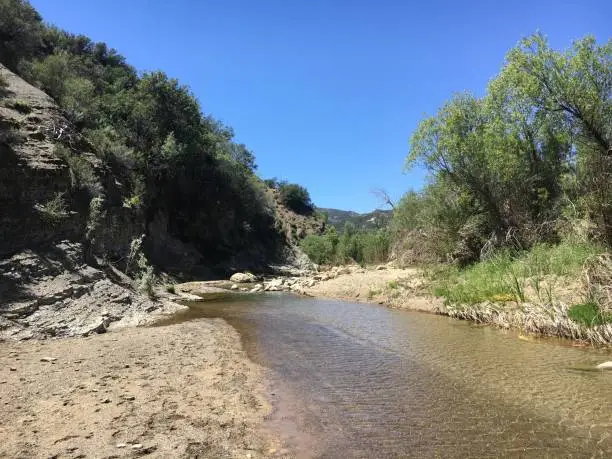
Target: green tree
296, 198
20, 32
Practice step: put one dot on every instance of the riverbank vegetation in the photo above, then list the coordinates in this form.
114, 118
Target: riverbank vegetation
518, 205
519, 198
349, 246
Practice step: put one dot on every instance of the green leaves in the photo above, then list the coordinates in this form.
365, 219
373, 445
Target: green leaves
508, 155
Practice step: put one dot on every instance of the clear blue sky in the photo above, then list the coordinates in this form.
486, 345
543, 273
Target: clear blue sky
326, 93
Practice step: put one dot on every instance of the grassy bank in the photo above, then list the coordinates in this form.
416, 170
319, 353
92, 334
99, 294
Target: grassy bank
560, 290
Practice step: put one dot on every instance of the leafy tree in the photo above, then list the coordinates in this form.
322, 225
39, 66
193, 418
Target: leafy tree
20, 32
296, 198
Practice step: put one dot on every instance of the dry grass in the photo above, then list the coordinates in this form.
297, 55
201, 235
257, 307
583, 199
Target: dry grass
549, 320
597, 280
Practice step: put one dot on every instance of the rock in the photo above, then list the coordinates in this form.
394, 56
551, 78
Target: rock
48, 359
605, 366
276, 282
257, 288
97, 326
106, 400
120, 445
311, 283
381, 268
136, 446
12, 369
234, 287
242, 278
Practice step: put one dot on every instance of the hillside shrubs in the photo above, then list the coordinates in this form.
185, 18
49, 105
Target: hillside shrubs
168, 158
295, 197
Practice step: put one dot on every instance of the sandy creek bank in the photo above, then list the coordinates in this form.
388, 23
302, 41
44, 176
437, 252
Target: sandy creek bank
183, 390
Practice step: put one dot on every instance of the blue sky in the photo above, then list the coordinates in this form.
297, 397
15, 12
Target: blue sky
326, 93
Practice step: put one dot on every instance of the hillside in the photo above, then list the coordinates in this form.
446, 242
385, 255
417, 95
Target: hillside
74, 251
370, 220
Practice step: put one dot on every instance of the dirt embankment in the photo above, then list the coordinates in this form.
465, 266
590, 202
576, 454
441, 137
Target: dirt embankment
393, 287
183, 390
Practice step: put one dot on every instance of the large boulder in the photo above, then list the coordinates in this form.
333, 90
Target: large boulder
243, 278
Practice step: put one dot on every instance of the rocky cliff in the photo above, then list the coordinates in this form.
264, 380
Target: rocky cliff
63, 258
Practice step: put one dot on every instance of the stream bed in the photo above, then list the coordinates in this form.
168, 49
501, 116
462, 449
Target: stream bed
360, 380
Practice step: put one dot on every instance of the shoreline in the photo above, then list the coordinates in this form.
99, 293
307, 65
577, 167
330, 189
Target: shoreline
406, 289
180, 390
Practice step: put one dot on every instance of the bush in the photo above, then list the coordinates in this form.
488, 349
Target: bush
272, 183
589, 314
318, 248
81, 171
55, 209
21, 106
296, 198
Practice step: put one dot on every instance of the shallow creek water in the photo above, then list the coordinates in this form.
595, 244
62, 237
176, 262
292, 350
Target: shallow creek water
358, 380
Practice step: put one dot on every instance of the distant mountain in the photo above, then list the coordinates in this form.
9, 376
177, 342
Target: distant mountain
370, 220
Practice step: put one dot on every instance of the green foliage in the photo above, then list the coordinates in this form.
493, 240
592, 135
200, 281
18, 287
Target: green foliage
505, 275
145, 277
364, 247
81, 170
506, 168
54, 210
20, 29
21, 106
95, 217
272, 183
317, 248
170, 288
148, 129
295, 197
589, 314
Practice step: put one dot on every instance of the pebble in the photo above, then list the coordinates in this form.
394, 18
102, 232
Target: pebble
106, 400
120, 445
12, 369
48, 359
136, 446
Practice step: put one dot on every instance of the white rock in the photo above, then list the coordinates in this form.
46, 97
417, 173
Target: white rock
605, 366
276, 282
234, 287
257, 288
120, 445
136, 446
242, 278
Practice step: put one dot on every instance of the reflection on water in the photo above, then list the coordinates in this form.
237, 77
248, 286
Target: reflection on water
356, 380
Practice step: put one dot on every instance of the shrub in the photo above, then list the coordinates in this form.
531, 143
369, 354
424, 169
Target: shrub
21, 106
54, 210
588, 313
170, 288
296, 198
318, 248
145, 279
81, 170
94, 219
